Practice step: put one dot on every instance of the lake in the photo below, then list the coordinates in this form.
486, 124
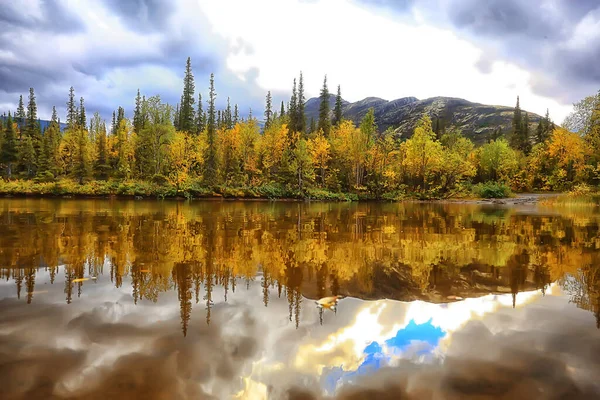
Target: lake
108, 299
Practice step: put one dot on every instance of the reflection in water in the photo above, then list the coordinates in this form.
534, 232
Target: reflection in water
235, 268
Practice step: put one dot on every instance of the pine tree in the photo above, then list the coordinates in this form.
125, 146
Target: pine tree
187, 112
525, 143
313, 125
324, 120
54, 115
211, 156
200, 117
71, 109
300, 117
113, 125
228, 116
236, 115
219, 120
9, 150
31, 122
176, 121
282, 111
293, 110
516, 140
268, 111
27, 155
137, 114
337, 113
20, 115
120, 115
82, 117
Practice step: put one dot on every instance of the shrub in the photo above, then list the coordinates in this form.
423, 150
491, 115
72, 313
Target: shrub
492, 190
160, 179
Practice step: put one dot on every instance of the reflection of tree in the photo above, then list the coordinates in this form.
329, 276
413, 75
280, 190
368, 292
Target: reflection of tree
584, 289
401, 251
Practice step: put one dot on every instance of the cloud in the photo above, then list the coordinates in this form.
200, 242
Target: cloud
555, 39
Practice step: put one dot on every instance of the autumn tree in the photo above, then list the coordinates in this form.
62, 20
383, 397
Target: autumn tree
101, 164
318, 148
497, 161
423, 155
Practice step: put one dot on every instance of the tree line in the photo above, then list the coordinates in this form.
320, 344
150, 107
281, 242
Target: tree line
194, 144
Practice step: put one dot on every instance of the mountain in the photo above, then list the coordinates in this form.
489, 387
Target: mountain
43, 123
477, 121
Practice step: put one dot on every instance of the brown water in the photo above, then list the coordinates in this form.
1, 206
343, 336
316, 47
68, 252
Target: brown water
146, 299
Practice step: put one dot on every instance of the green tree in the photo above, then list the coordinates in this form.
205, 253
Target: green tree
210, 174
268, 111
525, 142
578, 120
71, 109
516, 139
200, 116
82, 117
293, 109
20, 115
236, 115
9, 151
82, 157
337, 113
300, 117
138, 121
282, 111
497, 161
187, 112
313, 126
324, 119
27, 156
302, 164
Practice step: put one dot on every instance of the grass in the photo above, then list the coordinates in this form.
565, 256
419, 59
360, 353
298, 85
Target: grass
580, 196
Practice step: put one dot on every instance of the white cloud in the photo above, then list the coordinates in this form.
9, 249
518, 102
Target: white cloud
369, 54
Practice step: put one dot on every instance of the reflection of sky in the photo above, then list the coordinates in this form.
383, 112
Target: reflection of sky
416, 340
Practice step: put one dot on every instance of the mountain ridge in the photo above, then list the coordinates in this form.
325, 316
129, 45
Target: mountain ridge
476, 120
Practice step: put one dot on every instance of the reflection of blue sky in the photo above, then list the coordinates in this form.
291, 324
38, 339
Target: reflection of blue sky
412, 340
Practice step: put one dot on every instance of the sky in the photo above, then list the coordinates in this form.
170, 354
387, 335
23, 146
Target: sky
545, 51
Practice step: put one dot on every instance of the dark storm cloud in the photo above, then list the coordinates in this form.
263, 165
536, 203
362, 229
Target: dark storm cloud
158, 39
536, 35
55, 17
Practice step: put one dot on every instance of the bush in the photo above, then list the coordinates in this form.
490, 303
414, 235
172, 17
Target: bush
160, 179
492, 190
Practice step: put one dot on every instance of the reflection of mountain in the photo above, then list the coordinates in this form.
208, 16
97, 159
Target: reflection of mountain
430, 252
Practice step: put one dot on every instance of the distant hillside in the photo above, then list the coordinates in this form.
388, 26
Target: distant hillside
43, 123
477, 121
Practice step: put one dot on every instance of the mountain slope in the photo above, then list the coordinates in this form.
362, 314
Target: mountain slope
477, 121
43, 123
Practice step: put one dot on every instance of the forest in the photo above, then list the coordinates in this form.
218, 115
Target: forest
194, 150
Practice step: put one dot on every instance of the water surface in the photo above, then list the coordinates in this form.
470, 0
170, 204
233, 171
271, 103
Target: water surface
124, 299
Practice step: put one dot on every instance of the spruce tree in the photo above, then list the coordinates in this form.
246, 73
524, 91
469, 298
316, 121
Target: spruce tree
27, 156
313, 125
324, 121
49, 152
177, 117
113, 125
9, 150
219, 121
20, 115
236, 115
516, 140
187, 112
71, 109
54, 115
337, 113
137, 114
282, 111
525, 143
31, 122
300, 117
228, 116
82, 117
268, 111
293, 110
210, 174
200, 117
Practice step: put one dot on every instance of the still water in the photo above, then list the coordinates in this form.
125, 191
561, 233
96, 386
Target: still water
108, 299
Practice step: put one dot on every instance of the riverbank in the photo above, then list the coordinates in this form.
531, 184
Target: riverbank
149, 190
